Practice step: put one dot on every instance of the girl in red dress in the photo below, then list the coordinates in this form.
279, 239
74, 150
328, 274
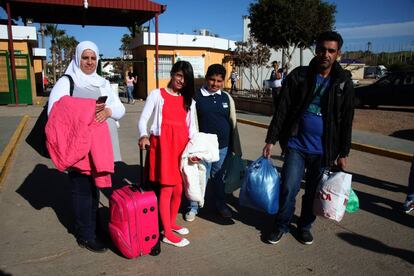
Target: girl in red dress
173, 111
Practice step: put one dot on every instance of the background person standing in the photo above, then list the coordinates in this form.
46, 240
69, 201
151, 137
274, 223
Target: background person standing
130, 82
234, 77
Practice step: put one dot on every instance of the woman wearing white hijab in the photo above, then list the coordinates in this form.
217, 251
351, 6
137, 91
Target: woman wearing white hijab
88, 84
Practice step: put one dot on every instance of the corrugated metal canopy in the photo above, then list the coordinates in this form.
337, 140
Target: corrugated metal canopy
98, 12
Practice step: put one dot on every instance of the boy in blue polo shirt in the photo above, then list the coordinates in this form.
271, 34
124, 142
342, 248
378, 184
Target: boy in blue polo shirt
216, 114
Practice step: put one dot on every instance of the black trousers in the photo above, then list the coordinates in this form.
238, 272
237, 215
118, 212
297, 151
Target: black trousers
85, 200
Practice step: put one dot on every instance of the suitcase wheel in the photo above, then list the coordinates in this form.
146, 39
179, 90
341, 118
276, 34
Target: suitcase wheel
156, 250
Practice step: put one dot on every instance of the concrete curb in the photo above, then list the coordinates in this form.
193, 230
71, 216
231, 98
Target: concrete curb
383, 152
10, 148
355, 146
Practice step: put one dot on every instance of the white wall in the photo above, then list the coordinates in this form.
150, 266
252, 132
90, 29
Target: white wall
183, 40
19, 32
39, 52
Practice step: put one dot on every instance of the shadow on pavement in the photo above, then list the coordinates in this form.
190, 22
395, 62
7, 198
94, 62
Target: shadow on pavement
45, 187
122, 170
375, 205
377, 246
407, 134
260, 220
378, 183
2, 273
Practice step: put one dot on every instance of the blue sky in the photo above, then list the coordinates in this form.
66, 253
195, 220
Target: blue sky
388, 25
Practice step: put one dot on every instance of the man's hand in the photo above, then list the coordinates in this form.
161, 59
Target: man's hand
266, 150
102, 115
341, 162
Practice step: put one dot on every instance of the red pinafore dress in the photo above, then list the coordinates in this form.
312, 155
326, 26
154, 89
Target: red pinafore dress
166, 149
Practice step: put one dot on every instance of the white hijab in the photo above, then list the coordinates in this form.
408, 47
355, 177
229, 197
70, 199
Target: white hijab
81, 79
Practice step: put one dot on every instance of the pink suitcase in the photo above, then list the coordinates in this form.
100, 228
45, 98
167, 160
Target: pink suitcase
133, 224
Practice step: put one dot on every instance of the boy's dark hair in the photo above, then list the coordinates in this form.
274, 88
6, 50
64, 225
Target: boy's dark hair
330, 36
188, 90
216, 69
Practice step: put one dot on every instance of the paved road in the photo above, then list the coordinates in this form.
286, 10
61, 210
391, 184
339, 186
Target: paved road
36, 239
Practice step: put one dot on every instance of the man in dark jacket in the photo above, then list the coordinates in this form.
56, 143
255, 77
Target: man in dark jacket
313, 124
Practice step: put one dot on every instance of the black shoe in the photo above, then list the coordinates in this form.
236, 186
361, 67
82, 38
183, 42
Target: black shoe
92, 245
225, 212
275, 237
305, 237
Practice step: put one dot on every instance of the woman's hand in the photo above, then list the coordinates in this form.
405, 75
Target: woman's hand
103, 113
99, 107
143, 142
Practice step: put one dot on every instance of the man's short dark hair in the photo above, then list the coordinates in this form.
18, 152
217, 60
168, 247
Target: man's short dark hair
216, 69
330, 36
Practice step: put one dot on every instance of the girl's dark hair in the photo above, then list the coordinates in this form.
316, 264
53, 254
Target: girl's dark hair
188, 89
130, 74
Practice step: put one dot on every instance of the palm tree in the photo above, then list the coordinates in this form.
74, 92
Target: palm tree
54, 33
127, 38
125, 41
68, 45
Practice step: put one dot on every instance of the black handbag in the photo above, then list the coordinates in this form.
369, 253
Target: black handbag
37, 136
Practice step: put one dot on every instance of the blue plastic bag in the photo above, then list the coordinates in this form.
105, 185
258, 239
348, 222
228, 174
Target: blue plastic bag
260, 189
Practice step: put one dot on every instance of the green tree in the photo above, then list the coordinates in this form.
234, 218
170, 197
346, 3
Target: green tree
282, 24
54, 33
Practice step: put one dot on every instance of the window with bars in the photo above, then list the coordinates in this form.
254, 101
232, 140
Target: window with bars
165, 63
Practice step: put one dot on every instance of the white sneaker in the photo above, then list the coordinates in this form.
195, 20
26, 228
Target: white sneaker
182, 243
182, 231
190, 216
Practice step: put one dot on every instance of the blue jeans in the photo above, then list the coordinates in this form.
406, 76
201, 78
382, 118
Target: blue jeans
216, 172
85, 200
293, 169
130, 89
410, 194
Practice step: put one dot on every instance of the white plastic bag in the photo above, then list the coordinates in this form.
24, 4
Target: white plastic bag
332, 195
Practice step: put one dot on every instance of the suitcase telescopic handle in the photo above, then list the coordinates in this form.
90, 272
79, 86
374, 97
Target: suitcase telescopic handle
141, 165
141, 162
133, 186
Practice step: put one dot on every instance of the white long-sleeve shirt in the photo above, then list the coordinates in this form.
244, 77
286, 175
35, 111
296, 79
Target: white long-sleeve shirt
154, 104
62, 88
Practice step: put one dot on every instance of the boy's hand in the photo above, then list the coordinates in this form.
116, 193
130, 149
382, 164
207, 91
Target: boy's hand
195, 159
